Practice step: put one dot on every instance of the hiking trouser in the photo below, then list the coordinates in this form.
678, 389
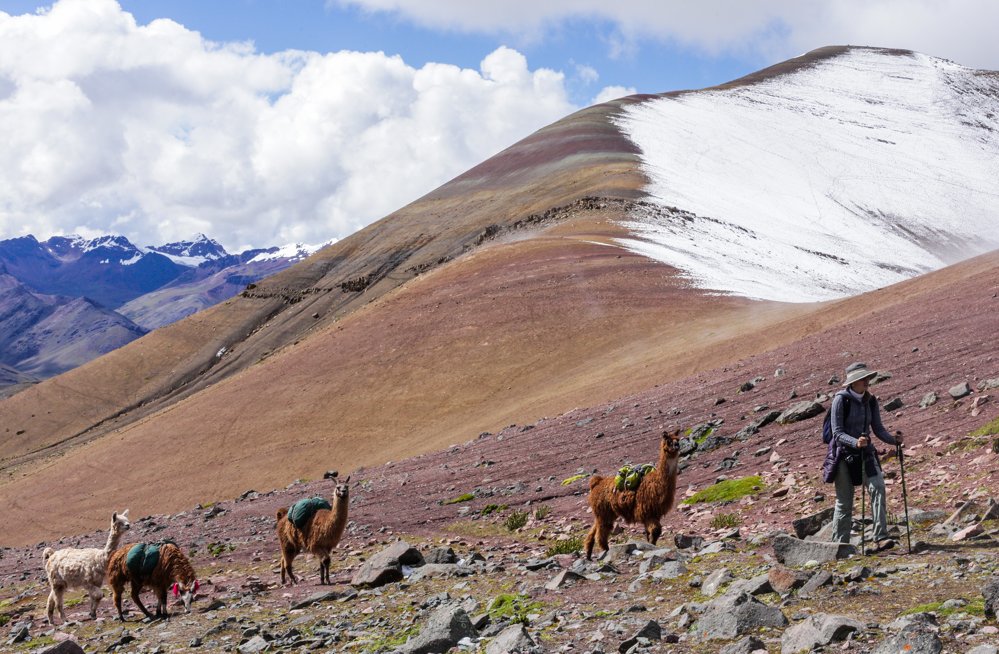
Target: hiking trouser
843, 511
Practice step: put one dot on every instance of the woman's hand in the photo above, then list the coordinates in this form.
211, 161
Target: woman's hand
862, 442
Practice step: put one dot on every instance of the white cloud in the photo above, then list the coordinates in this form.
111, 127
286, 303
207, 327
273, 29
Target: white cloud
613, 93
962, 30
152, 131
587, 74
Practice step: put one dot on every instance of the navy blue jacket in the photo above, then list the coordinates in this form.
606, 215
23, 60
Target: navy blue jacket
863, 418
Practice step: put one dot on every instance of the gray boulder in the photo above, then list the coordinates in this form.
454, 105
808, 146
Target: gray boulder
442, 555
818, 631
960, 390
747, 645
446, 626
981, 649
917, 638
255, 645
651, 631
65, 647
563, 579
794, 552
991, 594
818, 580
715, 581
811, 524
800, 411
670, 570
512, 639
733, 615
385, 567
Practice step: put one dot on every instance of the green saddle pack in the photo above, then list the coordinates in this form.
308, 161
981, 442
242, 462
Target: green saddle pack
301, 511
629, 477
142, 559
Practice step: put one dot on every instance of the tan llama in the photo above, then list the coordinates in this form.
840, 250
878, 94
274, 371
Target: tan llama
319, 536
648, 504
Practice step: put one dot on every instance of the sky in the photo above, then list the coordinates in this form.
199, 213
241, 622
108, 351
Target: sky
264, 122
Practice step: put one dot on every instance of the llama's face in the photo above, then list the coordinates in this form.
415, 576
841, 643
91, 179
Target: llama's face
671, 442
343, 490
186, 593
119, 522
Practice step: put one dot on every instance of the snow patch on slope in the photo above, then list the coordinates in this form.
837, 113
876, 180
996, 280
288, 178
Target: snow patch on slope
860, 171
292, 252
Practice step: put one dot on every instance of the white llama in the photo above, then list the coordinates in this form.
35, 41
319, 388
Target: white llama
81, 568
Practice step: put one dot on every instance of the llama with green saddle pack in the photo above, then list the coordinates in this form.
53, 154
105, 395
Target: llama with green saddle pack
637, 494
312, 525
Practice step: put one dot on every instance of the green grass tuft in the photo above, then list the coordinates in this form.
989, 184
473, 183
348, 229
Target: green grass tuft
542, 512
726, 520
465, 497
570, 546
728, 490
516, 520
492, 508
973, 607
988, 429
513, 607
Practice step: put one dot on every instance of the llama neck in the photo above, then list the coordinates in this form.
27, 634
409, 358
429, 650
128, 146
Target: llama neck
666, 469
331, 530
113, 537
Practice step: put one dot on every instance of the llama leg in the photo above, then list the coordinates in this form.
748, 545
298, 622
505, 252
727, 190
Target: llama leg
51, 605
324, 571
590, 537
60, 592
653, 530
95, 598
603, 533
161, 603
289, 558
116, 590
136, 587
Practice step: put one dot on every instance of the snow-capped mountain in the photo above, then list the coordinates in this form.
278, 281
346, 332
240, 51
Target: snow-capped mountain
191, 253
849, 173
68, 299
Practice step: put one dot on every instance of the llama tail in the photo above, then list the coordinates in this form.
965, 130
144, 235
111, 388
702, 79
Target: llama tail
47, 553
595, 481
281, 513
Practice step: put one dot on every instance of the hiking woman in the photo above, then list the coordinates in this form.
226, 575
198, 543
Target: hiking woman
854, 417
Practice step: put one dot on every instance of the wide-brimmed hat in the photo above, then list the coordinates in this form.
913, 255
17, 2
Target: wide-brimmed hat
857, 371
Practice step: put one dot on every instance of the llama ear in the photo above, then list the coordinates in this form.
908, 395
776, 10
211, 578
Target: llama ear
347, 480
176, 592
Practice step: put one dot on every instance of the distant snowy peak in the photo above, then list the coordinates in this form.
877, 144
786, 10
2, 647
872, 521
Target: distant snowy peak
852, 172
291, 252
191, 253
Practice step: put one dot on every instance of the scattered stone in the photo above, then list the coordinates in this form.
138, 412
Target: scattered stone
800, 411
794, 552
563, 579
715, 581
747, 645
894, 404
784, 580
324, 596
984, 649
446, 626
917, 638
255, 645
683, 542
991, 594
65, 647
651, 631
811, 524
987, 384
818, 631
512, 639
816, 581
960, 390
385, 567
928, 400
734, 615
670, 570
441, 555
968, 532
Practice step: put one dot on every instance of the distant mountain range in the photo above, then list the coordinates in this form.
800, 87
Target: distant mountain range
67, 300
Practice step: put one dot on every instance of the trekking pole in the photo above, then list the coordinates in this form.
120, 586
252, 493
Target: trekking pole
863, 506
905, 496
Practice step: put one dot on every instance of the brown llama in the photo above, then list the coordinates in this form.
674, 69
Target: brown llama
318, 536
648, 504
173, 570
